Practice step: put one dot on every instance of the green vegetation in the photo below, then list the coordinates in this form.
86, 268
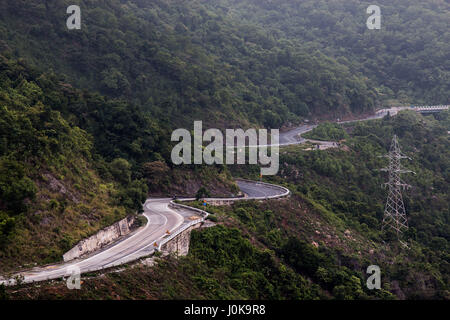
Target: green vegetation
72, 162
327, 131
289, 229
86, 117
407, 60
348, 185
202, 193
338, 203
183, 60
252, 273
55, 188
186, 180
348, 182
222, 264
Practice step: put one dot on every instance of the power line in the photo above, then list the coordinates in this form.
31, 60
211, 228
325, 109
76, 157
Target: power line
394, 211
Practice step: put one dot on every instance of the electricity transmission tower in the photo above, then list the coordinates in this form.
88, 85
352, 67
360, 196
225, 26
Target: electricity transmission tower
394, 211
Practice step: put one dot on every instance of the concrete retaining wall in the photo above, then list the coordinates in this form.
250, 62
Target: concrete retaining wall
180, 243
100, 239
176, 242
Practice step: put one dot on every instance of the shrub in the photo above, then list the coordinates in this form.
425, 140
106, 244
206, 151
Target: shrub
202, 193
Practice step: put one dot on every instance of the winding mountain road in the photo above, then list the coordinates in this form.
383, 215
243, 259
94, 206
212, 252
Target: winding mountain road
294, 136
162, 219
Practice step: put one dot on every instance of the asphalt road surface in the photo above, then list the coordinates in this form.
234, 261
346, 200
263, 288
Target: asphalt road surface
293, 136
161, 220
257, 190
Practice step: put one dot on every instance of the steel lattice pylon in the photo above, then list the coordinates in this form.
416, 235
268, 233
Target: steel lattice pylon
394, 211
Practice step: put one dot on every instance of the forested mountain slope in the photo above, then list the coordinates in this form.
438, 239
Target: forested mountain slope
86, 117
55, 188
317, 243
72, 162
407, 59
181, 60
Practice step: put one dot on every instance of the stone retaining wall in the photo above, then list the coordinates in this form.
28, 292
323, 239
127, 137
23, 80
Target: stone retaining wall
100, 239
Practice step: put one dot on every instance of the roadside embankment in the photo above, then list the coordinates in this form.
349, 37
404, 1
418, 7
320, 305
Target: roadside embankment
101, 238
